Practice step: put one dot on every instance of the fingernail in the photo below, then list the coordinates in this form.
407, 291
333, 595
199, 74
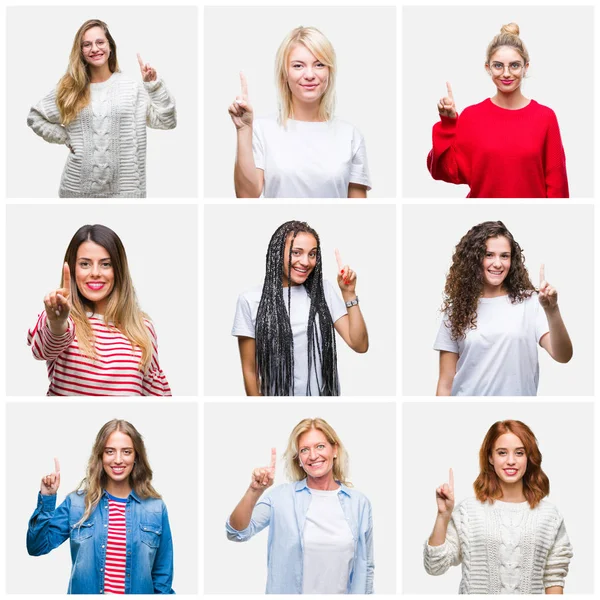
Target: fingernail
342, 271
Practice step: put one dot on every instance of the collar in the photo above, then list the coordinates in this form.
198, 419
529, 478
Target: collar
303, 485
132, 494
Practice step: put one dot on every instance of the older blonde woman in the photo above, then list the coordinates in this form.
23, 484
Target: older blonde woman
304, 152
321, 536
101, 116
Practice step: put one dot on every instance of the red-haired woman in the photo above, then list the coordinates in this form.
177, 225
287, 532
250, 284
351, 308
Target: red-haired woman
508, 539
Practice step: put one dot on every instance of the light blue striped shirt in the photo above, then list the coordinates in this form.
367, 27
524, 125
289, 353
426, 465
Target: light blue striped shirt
284, 509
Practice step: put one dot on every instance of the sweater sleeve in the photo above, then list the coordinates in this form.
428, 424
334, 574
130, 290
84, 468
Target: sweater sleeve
555, 164
559, 557
160, 112
155, 382
438, 559
44, 118
442, 161
44, 344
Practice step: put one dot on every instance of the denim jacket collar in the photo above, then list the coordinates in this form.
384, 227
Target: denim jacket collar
132, 494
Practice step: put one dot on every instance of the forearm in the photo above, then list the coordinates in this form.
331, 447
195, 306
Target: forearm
58, 328
244, 174
242, 513
357, 328
440, 528
555, 589
560, 342
444, 387
251, 383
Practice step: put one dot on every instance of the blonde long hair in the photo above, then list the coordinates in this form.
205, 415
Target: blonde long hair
321, 47
73, 91
94, 482
122, 311
340, 466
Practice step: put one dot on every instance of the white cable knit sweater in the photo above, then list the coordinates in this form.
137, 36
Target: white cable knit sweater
108, 136
504, 548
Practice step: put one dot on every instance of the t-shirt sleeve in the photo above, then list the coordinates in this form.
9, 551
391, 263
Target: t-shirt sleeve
541, 321
258, 145
444, 341
242, 322
359, 172
337, 307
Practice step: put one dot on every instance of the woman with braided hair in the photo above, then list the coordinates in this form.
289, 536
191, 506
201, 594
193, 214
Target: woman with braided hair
494, 319
285, 328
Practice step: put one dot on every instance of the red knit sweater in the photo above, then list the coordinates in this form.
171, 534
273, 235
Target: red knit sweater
501, 153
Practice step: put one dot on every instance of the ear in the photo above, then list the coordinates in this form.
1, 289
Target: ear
490, 459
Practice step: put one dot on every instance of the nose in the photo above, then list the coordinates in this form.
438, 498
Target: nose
497, 262
511, 460
505, 70
308, 74
95, 270
118, 458
313, 454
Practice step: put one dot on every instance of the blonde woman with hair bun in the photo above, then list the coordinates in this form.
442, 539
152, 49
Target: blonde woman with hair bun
304, 152
321, 530
115, 520
101, 115
508, 146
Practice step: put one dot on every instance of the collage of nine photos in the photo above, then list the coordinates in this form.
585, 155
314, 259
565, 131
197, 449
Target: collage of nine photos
226, 202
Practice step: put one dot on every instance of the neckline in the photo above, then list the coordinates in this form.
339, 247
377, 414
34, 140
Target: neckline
101, 84
493, 299
511, 110
504, 504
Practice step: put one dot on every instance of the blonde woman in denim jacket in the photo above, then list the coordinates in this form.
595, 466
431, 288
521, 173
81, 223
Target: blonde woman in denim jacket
116, 521
320, 530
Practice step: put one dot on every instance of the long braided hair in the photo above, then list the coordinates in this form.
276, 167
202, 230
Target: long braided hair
274, 338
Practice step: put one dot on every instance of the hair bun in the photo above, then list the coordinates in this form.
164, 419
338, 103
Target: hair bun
511, 28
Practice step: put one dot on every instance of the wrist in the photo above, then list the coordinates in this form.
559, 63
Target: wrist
348, 295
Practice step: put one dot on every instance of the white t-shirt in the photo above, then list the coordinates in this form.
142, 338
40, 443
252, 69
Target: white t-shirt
500, 357
245, 325
309, 160
328, 545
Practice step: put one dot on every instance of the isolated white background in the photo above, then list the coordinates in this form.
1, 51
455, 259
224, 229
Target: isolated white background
448, 43
437, 436
560, 236
241, 568
161, 245
246, 38
39, 41
38, 432
234, 261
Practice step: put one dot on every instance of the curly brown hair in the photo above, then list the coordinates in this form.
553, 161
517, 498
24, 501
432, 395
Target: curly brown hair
464, 282
536, 484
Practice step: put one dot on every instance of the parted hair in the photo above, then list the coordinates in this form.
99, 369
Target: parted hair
321, 48
73, 91
273, 330
508, 36
94, 482
536, 484
340, 465
122, 312
464, 282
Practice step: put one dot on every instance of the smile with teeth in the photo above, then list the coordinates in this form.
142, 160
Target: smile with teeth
300, 270
510, 472
316, 464
496, 273
95, 285
118, 470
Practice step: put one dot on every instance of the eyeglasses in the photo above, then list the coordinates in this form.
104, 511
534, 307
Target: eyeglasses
513, 67
87, 46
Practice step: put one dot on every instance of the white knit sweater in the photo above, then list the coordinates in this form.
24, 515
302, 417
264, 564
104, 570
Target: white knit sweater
504, 548
108, 136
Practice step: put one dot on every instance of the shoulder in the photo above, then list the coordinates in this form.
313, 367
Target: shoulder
357, 496
152, 505
283, 492
150, 326
549, 510
267, 123
468, 506
541, 110
76, 499
251, 295
478, 109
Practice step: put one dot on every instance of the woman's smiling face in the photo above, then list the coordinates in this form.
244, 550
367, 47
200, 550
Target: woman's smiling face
304, 258
496, 262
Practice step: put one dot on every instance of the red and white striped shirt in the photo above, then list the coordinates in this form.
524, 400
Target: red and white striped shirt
116, 548
114, 372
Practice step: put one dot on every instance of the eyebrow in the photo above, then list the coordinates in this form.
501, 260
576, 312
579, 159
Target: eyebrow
519, 448
111, 448
86, 258
300, 248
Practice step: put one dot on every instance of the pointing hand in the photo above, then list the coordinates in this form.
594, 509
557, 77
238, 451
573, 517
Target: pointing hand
240, 110
346, 277
446, 106
148, 72
263, 477
51, 482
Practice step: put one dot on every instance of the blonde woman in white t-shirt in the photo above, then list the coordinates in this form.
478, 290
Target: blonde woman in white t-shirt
320, 527
495, 319
305, 152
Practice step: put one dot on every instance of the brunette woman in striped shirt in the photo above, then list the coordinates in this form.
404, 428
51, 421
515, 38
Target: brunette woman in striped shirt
94, 337
116, 521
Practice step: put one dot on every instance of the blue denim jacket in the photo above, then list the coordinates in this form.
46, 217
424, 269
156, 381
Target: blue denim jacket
284, 510
149, 561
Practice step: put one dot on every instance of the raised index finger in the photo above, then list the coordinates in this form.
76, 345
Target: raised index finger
244, 84
56, 465
338, 258
140, 61
67, 279
451, 480
542, 273
273, 458
449, 88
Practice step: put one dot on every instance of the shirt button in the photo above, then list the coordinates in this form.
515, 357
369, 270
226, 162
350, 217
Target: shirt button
129, 531
102, 569
103, 545
105, 525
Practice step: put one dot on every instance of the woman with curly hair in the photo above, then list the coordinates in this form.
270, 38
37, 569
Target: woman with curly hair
101, 115
508, 539
286, 327
320, 528
505, 134
116, 521
494, 319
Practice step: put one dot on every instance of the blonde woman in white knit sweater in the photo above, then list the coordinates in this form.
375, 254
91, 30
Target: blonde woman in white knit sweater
101, 116
508, 539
